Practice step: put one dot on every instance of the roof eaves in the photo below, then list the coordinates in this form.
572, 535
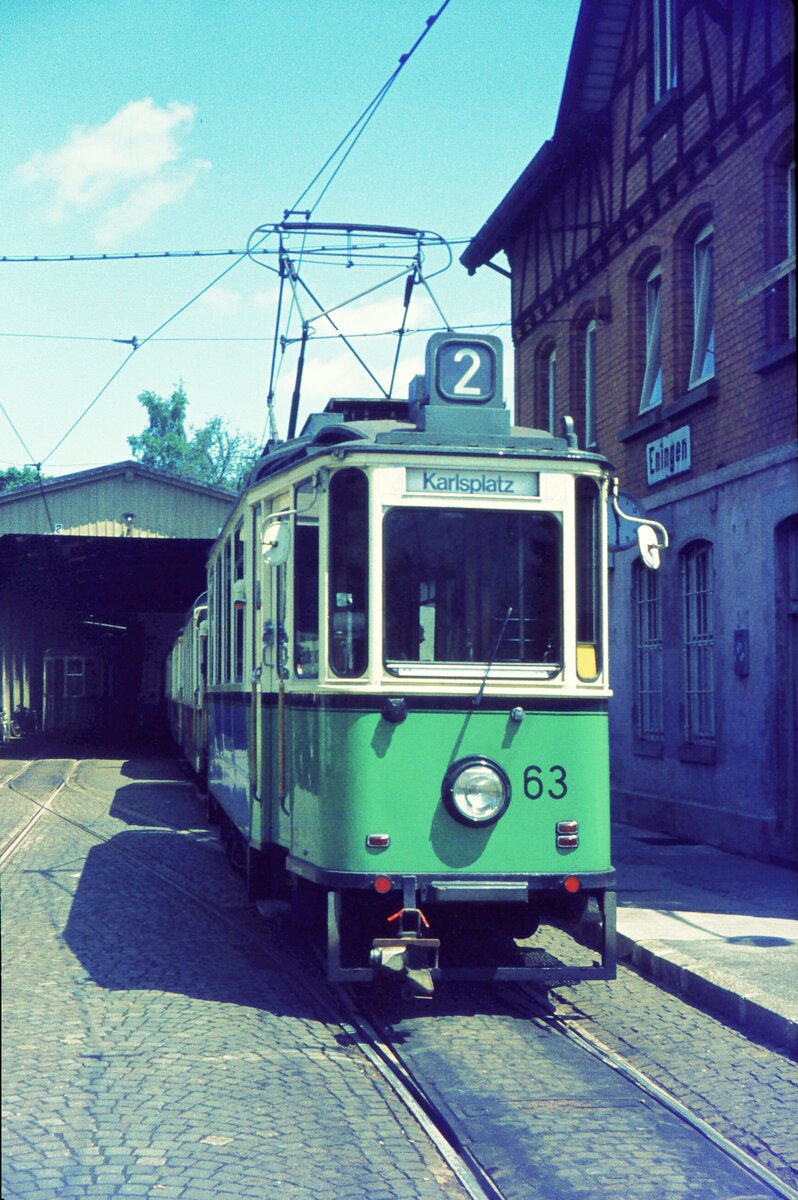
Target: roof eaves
80, 478
590, 74
493, 235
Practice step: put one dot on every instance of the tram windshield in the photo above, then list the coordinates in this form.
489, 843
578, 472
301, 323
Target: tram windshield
452, 577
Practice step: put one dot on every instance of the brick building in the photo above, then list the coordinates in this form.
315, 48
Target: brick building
651, 246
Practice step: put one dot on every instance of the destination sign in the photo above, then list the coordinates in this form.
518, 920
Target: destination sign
434, 481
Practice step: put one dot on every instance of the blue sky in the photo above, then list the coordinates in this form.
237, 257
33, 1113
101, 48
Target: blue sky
184, 125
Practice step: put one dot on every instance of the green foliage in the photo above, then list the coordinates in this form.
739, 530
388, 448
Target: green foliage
213, 454
14, 477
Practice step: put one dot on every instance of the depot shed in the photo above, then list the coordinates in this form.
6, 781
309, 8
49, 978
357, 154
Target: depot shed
96, 570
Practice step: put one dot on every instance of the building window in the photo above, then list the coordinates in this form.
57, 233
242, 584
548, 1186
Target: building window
590, 384
702, 362
551, 390
545, 411
663, 48
698, 646
651, 394
647, 593
791, 250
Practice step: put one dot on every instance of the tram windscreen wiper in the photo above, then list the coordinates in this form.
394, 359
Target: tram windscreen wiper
478, 698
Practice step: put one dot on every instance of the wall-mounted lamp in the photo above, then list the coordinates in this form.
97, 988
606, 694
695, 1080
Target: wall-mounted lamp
129, 519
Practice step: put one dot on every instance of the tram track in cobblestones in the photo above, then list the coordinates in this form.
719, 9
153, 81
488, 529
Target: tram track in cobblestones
375, 1040
18, 837
572, 1028
465, 1168
362, 1027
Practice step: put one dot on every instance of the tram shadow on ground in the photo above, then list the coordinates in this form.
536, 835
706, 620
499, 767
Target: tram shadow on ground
162, 803
134, 926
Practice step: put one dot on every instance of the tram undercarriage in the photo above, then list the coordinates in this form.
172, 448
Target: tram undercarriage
433, 935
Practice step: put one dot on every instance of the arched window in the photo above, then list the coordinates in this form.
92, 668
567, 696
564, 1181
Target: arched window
551, 388
780, 249
702, 361
651, 393
698, 645
647, 601
790, 189
663, 48
545, 416
590, 384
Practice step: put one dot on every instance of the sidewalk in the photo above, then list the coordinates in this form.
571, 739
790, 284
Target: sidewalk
716, 927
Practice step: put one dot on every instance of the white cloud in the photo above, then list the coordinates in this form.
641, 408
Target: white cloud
331, 369
130, 164
143, 204
221, 301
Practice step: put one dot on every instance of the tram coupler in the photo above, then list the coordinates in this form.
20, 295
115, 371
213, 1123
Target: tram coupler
410, 956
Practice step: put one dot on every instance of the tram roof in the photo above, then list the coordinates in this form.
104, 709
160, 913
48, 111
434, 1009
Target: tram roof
327, 431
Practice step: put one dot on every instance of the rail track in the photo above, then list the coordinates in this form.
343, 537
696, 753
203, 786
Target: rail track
362, 1024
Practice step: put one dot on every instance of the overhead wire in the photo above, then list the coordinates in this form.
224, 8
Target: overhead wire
148, 255
135, 348
352, 137
319, 337
365, 117
36, 466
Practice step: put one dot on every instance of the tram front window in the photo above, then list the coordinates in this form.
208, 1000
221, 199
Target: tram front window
451, 577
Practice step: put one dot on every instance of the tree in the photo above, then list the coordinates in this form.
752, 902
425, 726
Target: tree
14, 477
213, 454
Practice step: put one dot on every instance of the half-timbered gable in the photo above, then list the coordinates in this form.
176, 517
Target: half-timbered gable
651, 247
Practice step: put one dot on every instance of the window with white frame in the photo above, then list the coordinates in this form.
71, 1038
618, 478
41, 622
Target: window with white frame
698, 645
702, 361
647, 599
791, 249
590, 384
651, 394
551, 390
662, 48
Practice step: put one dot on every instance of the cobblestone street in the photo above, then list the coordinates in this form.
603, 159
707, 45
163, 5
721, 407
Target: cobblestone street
162, 1040
150, 1052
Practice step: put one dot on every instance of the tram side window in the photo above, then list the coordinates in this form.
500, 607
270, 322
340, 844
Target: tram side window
218, 673
226, 642
239, 606
306, 601
349, 545
472, 586
588, 579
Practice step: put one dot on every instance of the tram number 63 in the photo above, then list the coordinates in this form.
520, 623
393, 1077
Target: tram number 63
535, 782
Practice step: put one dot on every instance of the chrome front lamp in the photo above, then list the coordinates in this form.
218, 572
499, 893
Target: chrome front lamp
476, 791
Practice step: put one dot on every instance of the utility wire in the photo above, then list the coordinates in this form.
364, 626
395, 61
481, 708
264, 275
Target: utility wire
137, 346
17, 434
352, 136
147, 255
365, 117
37, 466
360, 125
318, 337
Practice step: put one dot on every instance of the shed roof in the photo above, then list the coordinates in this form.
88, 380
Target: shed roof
98, 501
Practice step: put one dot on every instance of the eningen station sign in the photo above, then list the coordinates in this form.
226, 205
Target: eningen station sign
669, 455
472, 483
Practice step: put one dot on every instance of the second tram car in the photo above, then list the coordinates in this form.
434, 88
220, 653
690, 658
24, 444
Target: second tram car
405, 711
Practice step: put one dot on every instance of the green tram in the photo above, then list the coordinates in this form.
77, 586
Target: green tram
405, 709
